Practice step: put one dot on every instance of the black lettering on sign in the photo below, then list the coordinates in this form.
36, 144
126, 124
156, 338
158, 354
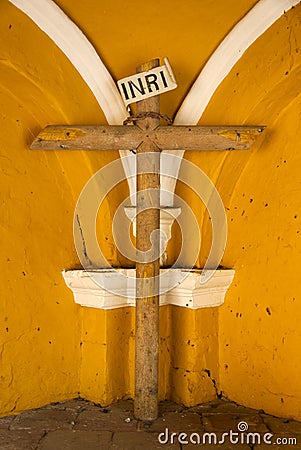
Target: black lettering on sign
124, 91
139, 88
163, 79
150, 82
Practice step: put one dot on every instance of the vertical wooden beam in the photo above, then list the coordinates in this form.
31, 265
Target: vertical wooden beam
147, 298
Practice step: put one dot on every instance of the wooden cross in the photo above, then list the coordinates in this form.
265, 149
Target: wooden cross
147, 136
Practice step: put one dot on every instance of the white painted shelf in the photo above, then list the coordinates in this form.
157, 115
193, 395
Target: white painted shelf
189, 294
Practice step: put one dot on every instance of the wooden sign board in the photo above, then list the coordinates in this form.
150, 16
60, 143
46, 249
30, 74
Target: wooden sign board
147, 84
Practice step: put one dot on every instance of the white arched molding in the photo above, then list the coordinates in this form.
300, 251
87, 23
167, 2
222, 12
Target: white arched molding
74, 44
81, 53
240, 38
231, 49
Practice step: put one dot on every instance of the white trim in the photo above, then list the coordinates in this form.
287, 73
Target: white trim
81, 53
167, 218
74, 44
67, 36
240, 38
189, 294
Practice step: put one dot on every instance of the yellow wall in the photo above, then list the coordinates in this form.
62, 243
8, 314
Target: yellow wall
40, 331
259, 332
54, 349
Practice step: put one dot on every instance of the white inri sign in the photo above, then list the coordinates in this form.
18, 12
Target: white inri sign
146, 84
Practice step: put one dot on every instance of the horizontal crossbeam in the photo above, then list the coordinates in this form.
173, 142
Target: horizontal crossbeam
120, 137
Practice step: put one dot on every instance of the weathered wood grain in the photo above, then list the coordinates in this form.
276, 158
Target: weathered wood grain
147, 281
119, 137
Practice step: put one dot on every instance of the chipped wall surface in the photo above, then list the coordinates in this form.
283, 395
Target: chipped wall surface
52, 349
259, 331
40, 331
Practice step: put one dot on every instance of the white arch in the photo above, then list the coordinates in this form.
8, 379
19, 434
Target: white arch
81, 53
231, 49
240, 38
74, 44
68, 37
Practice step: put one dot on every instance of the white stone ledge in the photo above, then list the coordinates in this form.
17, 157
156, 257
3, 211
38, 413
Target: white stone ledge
189, 294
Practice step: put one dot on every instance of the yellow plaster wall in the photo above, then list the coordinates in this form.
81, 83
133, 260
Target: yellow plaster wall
40, 331
53, 349
259, 332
